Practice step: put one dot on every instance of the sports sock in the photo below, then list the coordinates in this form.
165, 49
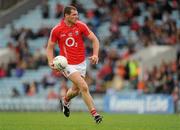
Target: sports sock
94, 112
66, 100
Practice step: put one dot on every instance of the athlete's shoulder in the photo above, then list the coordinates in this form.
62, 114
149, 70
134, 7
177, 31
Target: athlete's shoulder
80, 23
57, 27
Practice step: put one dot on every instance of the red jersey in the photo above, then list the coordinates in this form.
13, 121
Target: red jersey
70, 40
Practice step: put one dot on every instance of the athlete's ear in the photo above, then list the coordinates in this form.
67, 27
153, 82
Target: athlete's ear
66, 15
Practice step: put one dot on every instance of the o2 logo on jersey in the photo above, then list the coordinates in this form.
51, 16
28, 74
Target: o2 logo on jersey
70, 42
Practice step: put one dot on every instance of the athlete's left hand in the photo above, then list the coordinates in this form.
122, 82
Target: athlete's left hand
94, 59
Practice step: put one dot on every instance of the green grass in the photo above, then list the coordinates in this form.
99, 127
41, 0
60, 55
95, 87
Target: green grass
83, 121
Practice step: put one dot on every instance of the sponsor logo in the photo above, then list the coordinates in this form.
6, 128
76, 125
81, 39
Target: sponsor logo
70, 42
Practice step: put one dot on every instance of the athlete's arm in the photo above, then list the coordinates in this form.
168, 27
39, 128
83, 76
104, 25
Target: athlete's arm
50, 53
94, 58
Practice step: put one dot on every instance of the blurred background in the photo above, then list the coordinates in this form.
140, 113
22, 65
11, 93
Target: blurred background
139, 67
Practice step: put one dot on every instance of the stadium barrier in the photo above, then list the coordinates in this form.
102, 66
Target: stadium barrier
17, 10
42, 104
138, 103
178, 106
4, 4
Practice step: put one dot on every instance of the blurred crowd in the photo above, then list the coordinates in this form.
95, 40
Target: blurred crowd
115, 71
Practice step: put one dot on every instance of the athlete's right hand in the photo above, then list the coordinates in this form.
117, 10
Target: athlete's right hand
51, 65
56, 71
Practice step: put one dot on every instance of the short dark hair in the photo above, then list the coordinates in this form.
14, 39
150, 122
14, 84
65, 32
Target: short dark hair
67, 9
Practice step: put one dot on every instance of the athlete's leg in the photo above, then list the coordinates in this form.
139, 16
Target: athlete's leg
64, 103
82, 85
71, 93
70, 69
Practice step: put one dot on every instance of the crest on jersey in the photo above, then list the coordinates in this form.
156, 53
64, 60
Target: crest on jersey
77, 33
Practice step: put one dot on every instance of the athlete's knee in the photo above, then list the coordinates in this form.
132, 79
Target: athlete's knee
76, 91
84, 88
81, 84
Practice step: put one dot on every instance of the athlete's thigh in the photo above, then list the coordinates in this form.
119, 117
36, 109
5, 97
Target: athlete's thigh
77, 79
75, 87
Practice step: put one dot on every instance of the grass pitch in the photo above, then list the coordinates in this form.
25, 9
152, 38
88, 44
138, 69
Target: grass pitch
83, 121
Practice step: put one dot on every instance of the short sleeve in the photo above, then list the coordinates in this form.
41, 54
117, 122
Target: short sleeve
53, 35
85, 29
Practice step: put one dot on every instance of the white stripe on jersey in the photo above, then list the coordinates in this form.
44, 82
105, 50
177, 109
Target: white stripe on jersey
54, 29
84, 25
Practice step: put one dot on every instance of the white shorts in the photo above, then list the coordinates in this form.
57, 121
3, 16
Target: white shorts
81, 68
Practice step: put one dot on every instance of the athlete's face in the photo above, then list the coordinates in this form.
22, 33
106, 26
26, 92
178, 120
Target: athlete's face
73, 17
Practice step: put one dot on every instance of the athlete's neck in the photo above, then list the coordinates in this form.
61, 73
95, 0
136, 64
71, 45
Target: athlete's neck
68, 23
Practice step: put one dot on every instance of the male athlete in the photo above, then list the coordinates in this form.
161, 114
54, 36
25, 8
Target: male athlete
69, 36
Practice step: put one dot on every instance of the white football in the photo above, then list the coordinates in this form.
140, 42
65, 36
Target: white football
60, 62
